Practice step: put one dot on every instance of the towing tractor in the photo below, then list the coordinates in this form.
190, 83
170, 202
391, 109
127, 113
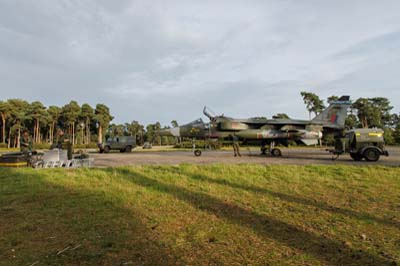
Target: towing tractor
362, 143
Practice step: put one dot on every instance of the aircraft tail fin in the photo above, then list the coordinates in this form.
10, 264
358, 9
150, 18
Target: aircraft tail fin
335, 115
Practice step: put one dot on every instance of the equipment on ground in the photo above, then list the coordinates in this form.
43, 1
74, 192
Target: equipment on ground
147, 145
267, 132
55, 158
121, 143
362, 143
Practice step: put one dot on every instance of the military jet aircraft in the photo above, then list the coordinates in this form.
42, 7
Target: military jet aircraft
267, 131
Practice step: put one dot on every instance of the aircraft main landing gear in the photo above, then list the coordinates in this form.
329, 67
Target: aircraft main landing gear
197, 153
275, 152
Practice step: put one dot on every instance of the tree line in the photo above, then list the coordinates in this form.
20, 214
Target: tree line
83, 123
363, 113
88, 125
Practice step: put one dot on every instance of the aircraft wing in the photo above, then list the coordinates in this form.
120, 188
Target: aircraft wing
278, 122
288, 122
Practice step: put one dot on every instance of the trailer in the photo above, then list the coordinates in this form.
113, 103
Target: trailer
362, 143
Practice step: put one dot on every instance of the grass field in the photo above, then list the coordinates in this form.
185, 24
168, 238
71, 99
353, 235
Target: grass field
201, 215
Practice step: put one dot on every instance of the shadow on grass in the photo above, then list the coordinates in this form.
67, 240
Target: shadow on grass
328, 251
41, 219
295, 199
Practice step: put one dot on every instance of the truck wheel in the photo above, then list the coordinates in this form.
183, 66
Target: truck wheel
122, 150
106, 149
371, 155
276, 153
356, 156
128, 149
197, 153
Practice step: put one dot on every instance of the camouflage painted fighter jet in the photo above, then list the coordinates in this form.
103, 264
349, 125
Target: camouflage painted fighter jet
267, 131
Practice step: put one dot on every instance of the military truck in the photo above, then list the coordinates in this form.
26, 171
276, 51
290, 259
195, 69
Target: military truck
121, 143
362, 143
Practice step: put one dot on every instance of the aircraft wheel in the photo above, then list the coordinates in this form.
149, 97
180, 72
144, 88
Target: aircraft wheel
371, 155
276, 153
197, 153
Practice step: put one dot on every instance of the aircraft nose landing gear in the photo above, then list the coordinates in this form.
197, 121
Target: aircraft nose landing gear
197, 153
276, 152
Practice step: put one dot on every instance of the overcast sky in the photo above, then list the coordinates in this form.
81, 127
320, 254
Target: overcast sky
162, 60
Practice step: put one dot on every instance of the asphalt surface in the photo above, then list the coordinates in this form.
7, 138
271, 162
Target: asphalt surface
299, 156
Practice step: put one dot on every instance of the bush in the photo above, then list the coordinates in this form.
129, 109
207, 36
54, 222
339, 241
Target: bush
388, 136
86, 146
46, 146
41, 146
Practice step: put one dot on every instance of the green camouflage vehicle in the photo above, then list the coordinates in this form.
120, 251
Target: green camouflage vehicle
362, 143
121, 143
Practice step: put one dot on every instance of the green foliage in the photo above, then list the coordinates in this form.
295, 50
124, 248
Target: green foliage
102, 115
5, 113
42, 122
200, 144
313, 103
373, 112
37, 110
103, 118
92, 145
116, 130
70, 112
135, 129
351, 121
281, 116
87, 112
41, 146
152, 133
174, 123
396, 133
54, 112
388, 136
332, 99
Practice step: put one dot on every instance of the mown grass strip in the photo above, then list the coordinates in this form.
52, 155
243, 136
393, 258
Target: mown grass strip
197, 215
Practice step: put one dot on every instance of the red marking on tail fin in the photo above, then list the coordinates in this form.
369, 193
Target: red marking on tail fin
334, 118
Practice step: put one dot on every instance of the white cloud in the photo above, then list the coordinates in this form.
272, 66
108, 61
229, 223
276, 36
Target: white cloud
164, 60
